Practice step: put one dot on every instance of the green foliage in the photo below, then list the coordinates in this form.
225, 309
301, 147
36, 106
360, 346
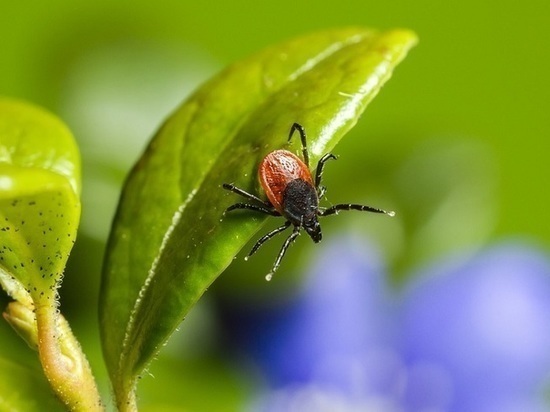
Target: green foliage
39, 216
39, 201
169, 241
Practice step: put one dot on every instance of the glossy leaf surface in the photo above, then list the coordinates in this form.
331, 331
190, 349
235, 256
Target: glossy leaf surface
39, 216
169, 241
39, 201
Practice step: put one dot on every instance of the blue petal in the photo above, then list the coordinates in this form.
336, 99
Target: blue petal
342, 315
485, 323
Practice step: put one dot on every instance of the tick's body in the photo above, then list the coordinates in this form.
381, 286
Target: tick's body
288, 184
293, 194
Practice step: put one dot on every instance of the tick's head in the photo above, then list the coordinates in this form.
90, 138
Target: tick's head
313, 229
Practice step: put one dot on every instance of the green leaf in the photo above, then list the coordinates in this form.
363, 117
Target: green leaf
25, 389
39, 201
168, 242
39, 216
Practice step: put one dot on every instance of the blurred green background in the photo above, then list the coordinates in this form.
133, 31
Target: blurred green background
457, 142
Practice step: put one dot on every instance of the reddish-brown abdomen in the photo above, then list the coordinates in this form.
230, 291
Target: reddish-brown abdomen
277, 170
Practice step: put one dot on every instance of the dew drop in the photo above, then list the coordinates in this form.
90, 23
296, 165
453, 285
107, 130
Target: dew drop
268, 276
391, 213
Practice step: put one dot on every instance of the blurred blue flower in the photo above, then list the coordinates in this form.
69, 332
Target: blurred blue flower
471, 333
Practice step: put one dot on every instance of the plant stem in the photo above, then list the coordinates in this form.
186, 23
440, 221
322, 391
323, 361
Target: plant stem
64, 363
128, 402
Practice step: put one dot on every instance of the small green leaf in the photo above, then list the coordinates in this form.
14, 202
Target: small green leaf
23, 320
39, 216
39, 201
23, 389
168, 243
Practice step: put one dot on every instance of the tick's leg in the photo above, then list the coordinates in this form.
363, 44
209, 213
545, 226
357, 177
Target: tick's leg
302, 132
256, 208
287, 243
249, 196
266, 237
319, 173
334, 209
264, 207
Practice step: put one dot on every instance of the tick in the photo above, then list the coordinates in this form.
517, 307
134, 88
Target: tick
293, 193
